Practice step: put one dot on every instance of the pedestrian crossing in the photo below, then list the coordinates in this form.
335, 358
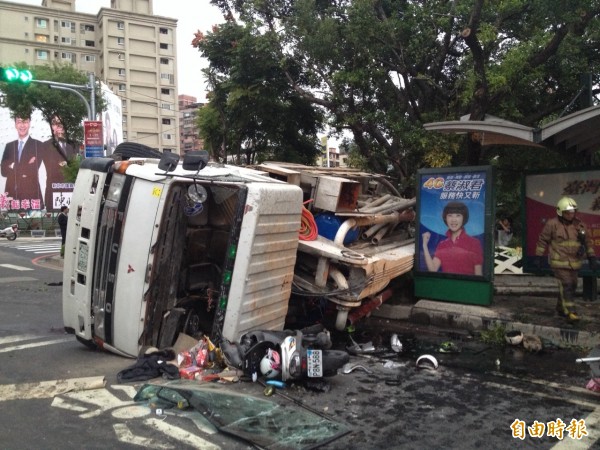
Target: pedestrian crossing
37, 246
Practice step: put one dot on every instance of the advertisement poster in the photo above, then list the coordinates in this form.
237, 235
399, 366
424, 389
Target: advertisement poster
453, 255
542, 193
452, 222
31, 178
112, 120
93, 138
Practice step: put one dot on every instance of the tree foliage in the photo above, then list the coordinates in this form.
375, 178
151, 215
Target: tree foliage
23, 99
253, 113
380, 69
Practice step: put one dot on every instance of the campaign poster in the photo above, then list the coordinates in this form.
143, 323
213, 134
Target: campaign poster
112, 120
31, 178
543, 190
454, 222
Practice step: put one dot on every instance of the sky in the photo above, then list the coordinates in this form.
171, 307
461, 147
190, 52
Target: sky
191, 15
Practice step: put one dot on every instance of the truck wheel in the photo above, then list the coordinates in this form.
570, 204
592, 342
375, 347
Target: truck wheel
127, 150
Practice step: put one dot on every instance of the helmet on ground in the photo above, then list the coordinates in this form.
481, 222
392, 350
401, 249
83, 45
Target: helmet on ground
565, 204
456, 208
270, 364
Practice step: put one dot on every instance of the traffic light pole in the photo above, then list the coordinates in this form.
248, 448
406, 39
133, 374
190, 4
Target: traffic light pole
91, 106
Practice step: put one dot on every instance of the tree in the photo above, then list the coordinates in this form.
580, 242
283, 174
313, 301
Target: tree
23, 99
253, 113
382, 68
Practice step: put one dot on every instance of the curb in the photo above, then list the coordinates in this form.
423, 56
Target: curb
472, 318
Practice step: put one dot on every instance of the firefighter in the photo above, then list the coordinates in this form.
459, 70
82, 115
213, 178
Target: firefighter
568, 243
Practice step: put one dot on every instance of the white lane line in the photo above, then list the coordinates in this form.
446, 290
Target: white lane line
12, 266
16, 279
28, 247
48, 389
15, 348
124, 434
19, 338
181, 435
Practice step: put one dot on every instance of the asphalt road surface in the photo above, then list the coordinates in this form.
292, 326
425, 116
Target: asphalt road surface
482, 397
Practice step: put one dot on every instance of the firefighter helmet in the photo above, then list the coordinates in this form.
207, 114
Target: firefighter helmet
456, 208
565, 204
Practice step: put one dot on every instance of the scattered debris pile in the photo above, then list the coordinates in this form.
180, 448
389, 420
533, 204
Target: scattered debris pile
364, 237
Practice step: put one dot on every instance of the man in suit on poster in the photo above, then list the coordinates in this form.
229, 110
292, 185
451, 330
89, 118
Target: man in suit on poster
20, 165
57, 154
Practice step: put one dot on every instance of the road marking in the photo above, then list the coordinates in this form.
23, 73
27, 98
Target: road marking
16, 279
591, 426
12, 266
91, 403
18, 338
181, 435
15, 348
124, 434
48, 389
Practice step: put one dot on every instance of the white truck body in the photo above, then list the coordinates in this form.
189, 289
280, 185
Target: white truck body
140, 268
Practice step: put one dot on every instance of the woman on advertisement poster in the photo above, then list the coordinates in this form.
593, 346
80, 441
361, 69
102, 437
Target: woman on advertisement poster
459, 253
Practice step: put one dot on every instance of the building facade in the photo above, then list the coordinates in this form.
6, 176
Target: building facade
189, 135
127, 47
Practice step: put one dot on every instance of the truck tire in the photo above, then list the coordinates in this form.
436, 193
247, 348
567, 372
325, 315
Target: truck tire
127, 150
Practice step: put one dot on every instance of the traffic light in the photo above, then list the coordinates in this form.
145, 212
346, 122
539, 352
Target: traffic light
12, 75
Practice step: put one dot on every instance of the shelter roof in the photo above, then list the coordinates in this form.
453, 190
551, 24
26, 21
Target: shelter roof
579, 131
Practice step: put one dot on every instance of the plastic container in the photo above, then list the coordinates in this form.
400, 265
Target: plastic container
328, 224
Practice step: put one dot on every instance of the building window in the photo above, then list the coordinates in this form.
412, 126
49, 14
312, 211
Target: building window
41, 54
86, 27
90, 58
121, 25
90, 43
166, 121
121, 56
121, 41
66, 55
124, 119
165, 106
65, 24
167, 136
124, 135
164, 61
165, 91
122, 86
164, 30
65, 40
41, 38
41, 23
164, 46
121, 72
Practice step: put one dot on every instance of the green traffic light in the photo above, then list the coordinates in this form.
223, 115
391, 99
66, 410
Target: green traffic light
10, 74
25, 76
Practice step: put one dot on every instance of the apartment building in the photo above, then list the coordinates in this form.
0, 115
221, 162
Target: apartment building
189, 138
129, 48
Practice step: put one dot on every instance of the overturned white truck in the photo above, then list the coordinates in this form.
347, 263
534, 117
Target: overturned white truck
159, 247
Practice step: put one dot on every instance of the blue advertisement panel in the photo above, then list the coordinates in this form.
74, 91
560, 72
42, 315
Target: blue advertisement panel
454, 258
454, 207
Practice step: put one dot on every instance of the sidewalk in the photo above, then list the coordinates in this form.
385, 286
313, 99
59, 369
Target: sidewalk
521, 302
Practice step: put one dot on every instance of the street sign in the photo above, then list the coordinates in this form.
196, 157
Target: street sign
94, 145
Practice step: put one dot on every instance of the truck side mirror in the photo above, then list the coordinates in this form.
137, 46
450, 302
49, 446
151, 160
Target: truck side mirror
168, 161
195, 160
